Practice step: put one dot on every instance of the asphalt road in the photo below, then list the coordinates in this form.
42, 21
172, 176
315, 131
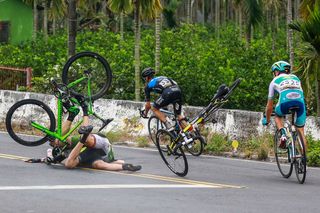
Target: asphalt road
213, 184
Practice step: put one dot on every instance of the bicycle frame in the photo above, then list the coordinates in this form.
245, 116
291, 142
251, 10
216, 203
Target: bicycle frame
58, 133
291, 130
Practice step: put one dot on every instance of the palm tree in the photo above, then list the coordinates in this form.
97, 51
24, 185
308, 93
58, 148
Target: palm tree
305, 8
58, 9
309, 67
253, 12
170, 6
272, 9
122, 7
289, 31
72, 26
217, 17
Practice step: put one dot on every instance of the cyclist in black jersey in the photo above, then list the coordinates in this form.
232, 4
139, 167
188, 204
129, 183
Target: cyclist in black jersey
170, 93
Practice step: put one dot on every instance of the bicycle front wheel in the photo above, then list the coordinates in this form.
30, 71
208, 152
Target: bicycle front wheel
154, 124
176, 161
195, 148
92, 65
300, 163
22, 115
282, 156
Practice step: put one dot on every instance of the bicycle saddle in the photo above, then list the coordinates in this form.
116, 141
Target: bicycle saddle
222, 90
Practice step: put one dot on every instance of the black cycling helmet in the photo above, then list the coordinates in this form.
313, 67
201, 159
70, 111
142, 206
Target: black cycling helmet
147, 72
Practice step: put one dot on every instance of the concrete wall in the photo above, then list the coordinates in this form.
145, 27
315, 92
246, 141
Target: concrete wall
236, 124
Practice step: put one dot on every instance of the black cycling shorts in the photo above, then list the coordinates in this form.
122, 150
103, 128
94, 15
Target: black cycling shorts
171, 95
90, 155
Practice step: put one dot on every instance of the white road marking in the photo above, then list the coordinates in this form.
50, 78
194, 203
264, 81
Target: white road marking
107, 186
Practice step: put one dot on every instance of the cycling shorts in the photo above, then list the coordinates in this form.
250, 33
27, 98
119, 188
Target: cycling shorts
282, 109
171, 95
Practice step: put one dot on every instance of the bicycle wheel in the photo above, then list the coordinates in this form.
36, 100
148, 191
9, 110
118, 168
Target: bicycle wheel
100, 74
20, 116
195, 148
232, 87
300, 163
176, 162
154, 124
282, 157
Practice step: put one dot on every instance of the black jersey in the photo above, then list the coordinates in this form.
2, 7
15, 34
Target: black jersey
157, 85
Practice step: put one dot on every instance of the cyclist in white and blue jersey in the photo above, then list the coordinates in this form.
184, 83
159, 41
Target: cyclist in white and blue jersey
288, 87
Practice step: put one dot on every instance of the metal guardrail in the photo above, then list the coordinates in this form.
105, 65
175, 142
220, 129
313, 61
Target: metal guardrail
11, 81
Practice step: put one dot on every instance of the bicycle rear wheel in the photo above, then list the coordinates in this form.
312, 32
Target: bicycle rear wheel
100, 74
284, 162
232, 87
20, 116
175, 161
196, 146
300, 163
154, 124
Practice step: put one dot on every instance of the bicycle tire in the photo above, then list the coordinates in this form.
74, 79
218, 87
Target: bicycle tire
164, 138
154, 124
300, 163
283, 160
197, 147
232, 87
19, 132
101, 78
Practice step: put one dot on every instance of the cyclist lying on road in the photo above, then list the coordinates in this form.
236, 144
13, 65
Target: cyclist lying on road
98, 148
288, 86
170, 93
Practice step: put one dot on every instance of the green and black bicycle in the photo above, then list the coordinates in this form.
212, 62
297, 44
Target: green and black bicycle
31, 122
171, 147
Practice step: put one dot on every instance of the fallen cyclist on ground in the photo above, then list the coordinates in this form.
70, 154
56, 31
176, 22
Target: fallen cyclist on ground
98, 153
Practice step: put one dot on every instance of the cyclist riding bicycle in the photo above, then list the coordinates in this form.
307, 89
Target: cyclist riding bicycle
288, 86
170, 93
98, 153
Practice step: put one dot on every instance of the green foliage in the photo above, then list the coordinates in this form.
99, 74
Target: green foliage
313, 155
216, 144
142, 141
191, 55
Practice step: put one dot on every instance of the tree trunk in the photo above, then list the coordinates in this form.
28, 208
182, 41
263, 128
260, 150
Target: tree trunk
203, 12
248, 35
240, 21
188, 11
137, 48
45, 20
121, 26
157, 35
317, 92
54, 23
35, 20
72, 27
290, 32
217, 19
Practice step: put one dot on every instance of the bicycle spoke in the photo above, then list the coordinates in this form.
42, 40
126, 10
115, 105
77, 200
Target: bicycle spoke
175, 160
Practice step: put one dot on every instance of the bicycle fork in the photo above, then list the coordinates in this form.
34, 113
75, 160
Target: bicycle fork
175, 145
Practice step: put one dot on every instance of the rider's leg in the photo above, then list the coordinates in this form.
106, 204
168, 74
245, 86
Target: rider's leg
283, 138
159, 114
73, 160
100, 164
300, 122
301, 131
